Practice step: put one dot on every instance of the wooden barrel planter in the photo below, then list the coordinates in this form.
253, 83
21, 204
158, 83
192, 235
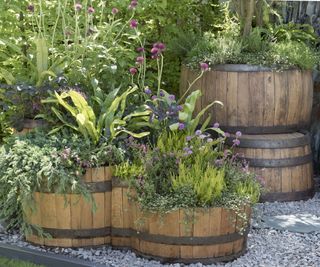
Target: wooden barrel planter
69, 218
28, 125
256, 100
190, 236
284, 161
121, 215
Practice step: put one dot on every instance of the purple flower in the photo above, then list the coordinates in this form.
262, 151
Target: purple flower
90, 10
198, 132
133, 23
172, 97
236, 142
114, 11
189, 152
31, 8
181, 126
160, 46
147, 91
154, 50
216, 125
161, 93
202, 136
133, 71
133, 4
77, 6
226, 134
139, 60
140, 49
209, 140
204, 66
179, 108
238, 133
154, 97
188, 138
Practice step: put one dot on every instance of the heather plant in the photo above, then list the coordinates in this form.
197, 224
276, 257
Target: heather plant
183, 171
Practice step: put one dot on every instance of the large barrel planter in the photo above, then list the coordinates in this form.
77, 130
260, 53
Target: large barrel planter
28, 125
190, 236
284, 162
121, 215
256, 100
69, 219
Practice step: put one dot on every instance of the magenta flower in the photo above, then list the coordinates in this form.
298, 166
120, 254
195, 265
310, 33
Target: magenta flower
216, 125
90, 10
31, 8
133, 23
139, 60
181, 126
154, 50
114, 11
147, 91
133, 71
140, 49
77, 6
160, 46
204, 66
238, 133
133, 4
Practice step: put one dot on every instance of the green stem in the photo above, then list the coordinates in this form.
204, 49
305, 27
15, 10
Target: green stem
190, 86
124, 25
56, 24
160, 70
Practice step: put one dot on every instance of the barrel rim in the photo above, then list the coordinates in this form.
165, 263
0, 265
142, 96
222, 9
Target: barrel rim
280, 129
280, 162
273, 143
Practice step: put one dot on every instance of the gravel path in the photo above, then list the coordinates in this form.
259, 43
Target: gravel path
266, 247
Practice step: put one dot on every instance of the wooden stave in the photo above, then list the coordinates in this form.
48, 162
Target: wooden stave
80, 236
250, 125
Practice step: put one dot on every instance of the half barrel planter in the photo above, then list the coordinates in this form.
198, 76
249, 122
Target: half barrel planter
284, 162
190, 236
28, 125
69, 219
256, 99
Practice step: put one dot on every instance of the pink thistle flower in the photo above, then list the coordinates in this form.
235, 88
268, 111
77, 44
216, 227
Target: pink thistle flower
91, 10
204, 66
133, 71
133, 24
139, 60
114, 11
77, 6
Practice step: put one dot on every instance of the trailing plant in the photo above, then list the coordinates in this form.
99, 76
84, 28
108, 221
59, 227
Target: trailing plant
54, 163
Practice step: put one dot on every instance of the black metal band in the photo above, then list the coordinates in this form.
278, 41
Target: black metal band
173, 240
287, 196
100, 187
265, 129
272, 143
117, 182
205, 261
274, 163
75, 233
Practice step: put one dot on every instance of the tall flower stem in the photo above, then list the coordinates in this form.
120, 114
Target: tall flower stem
160, 70
190, 87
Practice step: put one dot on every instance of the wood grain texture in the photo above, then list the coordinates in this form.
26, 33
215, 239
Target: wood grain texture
269, 101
